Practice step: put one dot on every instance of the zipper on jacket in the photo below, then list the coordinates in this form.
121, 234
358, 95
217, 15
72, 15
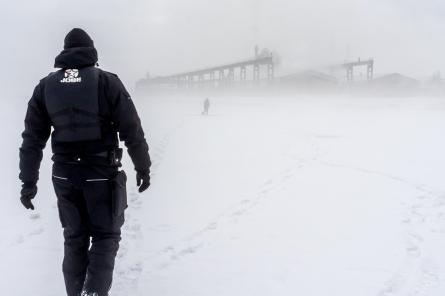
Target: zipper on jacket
96, 180
60, 178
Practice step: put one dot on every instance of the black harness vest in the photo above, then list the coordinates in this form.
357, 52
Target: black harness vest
72, 102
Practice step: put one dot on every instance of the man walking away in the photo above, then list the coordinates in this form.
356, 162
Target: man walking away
87, 108
206, 107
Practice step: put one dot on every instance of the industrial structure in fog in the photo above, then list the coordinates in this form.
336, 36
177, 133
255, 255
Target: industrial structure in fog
261, 68
349, 67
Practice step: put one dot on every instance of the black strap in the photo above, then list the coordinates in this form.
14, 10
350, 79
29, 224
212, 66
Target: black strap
69, 111
75, 125
114, 157
98, 170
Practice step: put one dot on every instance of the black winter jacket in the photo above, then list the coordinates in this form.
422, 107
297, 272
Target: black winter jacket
115, 106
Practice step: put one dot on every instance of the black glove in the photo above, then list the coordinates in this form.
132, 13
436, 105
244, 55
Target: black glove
29, 191
143, 180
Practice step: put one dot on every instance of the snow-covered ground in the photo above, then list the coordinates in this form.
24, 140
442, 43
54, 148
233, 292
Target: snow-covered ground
308, 196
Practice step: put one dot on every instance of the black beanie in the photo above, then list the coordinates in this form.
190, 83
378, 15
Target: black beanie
78, 38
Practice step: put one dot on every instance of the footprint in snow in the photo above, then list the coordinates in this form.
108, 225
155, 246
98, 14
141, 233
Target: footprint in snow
133, 195
238, 213
416, 237
406, 221
413, 251
185, 252
19, 240
212, 226
34, 216
189, 250
264, 191
168, 249
37, 231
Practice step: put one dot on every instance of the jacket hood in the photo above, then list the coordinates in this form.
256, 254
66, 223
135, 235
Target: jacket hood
78, 38
76, 57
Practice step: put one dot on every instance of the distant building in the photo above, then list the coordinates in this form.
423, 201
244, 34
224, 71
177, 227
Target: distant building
394, 80
393, 84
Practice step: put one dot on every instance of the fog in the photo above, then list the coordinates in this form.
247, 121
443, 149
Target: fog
297, 183
169, 36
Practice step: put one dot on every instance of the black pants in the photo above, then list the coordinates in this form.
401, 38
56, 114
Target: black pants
91, 232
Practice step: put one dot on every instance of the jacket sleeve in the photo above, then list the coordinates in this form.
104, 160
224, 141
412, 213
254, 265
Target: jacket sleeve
36, 134
126, 119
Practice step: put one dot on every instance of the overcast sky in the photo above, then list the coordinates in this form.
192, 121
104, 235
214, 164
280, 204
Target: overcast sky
167, 36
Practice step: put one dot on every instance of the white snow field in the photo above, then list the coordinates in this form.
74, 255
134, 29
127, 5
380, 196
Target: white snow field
310, 196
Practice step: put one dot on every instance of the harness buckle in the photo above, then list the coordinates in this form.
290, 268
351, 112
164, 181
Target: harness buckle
115, 157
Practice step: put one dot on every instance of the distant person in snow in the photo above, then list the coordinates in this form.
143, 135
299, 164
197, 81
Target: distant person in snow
87, 108
206, 107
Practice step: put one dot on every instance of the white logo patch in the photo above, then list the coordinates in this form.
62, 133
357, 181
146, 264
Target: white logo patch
71, 76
